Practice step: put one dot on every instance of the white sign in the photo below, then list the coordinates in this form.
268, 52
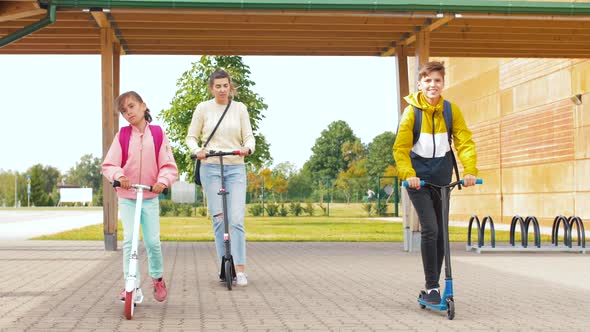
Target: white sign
79, 195
183, 192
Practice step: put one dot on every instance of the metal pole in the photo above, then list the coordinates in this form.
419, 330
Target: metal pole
15, 187
196, 197
329, 197
28, 191
263, 196
378, 195
396, 197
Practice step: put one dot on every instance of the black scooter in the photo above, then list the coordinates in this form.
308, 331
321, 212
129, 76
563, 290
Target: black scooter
447, 302
228, 269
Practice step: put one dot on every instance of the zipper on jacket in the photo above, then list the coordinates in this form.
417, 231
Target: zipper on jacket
141, 136
433, 138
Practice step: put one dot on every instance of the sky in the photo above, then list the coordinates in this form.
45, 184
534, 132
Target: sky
50, 106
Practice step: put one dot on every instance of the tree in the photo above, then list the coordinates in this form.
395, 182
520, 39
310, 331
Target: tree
380, 154
286, 169
193, 88
354, 179
87, 173
7, 179
300, 185
44, 185
327, 159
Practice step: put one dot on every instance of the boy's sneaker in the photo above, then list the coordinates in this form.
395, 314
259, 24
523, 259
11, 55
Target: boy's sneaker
160, 291
138, 295
241, 279
432, 296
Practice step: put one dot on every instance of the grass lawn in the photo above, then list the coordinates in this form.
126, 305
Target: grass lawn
278, 229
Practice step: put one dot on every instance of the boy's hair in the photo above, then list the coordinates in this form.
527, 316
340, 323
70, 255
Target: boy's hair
220, 73
131, 94
431, 66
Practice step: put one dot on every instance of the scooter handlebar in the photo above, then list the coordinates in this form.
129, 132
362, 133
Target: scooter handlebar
406, 183
422, 182
213, 153
136, 186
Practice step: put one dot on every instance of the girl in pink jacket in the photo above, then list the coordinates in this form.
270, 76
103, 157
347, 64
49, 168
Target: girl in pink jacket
141, 154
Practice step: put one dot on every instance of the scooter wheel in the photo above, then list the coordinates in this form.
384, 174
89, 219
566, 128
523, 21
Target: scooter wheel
129, 304
422, 306
450, 309
229, 278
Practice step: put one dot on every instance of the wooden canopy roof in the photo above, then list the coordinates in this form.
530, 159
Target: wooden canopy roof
354, 28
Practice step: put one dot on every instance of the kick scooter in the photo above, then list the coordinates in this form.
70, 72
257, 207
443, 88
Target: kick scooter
228, 270
447, 301
131, 280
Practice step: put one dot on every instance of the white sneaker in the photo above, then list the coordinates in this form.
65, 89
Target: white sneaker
138, 295
241, 279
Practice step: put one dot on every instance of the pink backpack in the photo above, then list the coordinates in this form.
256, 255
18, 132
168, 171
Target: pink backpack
125, 137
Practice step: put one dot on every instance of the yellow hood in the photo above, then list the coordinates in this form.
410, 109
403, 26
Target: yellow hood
417, 99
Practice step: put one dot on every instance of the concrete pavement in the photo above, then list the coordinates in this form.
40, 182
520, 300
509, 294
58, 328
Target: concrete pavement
22, 224
72, 286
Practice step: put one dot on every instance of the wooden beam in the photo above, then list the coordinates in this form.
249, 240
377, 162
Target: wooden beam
109, 200
422, 51
14, 10
428, 26
101, 19
103, 22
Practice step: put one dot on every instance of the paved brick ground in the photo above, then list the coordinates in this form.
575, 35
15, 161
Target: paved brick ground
72, 286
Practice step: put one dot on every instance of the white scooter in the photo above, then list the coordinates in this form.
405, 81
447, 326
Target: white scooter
131, 280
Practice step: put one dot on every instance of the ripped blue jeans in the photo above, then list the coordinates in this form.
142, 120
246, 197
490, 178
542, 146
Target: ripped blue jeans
235, 184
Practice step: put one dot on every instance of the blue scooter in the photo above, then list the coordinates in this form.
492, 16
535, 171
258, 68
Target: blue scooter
447, 302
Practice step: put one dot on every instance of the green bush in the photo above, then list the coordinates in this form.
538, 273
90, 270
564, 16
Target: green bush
202, 211
295, 209
368, 207
272, 209
256, 210
324, 209
186, 210
166, 206
283, 210
309, 209
381, 209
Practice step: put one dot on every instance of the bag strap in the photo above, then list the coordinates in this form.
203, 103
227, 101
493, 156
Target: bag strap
417, 124
158, 137
218, 122
124, 138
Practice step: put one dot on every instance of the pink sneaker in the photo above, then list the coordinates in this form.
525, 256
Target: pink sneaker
160, 292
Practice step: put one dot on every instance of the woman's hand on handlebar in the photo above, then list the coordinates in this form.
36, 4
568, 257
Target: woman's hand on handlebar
469, 180
244, 151
414, 182
202, 154
158, 187
125, 183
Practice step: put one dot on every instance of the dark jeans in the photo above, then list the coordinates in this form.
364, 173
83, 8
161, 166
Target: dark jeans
427, 203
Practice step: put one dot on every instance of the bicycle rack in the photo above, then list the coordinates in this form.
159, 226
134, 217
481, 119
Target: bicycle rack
524, 226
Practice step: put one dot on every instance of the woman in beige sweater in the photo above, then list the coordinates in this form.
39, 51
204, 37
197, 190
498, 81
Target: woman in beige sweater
233, 134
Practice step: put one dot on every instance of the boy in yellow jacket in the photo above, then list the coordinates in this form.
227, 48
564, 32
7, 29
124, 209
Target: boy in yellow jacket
429, 157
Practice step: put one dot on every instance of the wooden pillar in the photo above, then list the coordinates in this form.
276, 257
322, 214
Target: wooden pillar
109, 128
408, 213
422, 51
411, 223
403, 83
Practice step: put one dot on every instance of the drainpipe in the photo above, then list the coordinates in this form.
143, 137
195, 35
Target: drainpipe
47, 20
569, 8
